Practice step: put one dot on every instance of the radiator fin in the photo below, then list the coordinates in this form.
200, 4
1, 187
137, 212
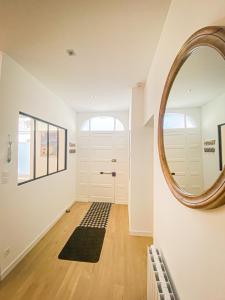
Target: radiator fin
159, 285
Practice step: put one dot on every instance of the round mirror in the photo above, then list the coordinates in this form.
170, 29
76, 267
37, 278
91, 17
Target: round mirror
192, 121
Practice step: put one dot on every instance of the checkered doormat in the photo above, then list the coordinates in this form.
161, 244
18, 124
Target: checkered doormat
97, 215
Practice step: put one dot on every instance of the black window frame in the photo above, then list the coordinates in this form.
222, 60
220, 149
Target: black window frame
34, 156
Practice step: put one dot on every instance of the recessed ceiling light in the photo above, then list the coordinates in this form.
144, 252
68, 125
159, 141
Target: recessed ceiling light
70, 52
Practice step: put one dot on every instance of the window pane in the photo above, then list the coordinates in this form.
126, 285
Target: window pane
53, 149
174, 121
62, 148
119, 126
25, 148
85, 126
190, 122
41, 148
102, 124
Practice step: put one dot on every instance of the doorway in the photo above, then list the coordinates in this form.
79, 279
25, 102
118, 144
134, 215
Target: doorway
103, 158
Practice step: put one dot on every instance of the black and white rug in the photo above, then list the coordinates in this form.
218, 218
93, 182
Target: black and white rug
97, 215
85, 243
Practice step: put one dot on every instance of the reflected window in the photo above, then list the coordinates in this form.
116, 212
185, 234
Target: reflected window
174, 121
85, 126
190, 122
102, 123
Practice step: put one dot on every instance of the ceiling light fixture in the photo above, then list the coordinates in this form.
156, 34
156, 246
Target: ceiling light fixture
70, 52
93, 98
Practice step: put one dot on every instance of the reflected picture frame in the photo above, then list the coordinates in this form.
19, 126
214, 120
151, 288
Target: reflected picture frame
221, 139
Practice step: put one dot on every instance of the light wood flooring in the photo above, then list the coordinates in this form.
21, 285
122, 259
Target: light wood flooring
119, 274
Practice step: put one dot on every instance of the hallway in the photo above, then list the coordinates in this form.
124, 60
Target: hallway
112, 150
120, 273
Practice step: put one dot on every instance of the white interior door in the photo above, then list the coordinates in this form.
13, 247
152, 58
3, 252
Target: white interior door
103, 166
183, 152
102, 182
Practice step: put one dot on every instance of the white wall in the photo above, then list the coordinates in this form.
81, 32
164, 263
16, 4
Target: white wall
28, 210
141, 168
192, 241
210, 121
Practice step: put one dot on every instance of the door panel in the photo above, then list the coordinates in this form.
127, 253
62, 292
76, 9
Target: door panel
183, 151
101, 179
101, 141
95, 154
99, 166
101, 154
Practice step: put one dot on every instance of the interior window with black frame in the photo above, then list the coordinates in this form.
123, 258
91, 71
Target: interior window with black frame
42, 148
41, 151
53, 149
25, 149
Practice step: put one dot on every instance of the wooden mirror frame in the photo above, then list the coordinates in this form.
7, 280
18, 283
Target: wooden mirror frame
214, 37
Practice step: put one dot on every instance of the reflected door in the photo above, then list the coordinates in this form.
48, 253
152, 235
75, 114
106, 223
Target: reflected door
183, 150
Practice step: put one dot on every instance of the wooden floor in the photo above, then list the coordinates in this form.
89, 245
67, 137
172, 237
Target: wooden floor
119, 274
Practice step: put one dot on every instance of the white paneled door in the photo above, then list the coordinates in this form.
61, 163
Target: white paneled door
103, 162
183, 151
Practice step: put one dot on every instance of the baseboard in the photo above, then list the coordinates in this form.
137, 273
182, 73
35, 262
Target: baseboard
117, 202
121, 202
15, 262
81, 200
140, 233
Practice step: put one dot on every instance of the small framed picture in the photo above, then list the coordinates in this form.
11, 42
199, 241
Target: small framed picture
221, 134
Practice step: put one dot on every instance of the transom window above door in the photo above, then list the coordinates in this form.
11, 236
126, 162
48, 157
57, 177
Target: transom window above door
102, 123
179, 120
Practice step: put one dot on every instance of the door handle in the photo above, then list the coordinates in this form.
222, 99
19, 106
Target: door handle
112, 173
173, 173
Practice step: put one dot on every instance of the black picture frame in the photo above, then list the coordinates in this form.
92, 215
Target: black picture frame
34, 156
221, 158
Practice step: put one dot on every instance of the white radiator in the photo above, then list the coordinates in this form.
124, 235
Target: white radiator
158, 283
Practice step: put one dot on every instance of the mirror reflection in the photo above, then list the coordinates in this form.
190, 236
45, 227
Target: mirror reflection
194, 131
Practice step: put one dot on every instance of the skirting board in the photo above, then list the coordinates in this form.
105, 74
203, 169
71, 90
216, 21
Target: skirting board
121, 202
15, 262
140, 233
117, 202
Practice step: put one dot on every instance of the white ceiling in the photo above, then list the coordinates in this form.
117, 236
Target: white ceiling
114, 43
200, 80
